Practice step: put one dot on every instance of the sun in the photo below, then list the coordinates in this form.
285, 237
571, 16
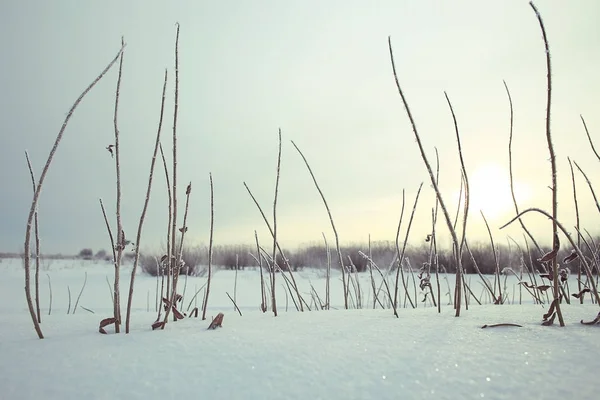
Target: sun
489, 191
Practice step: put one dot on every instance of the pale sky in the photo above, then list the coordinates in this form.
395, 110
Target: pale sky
320, 70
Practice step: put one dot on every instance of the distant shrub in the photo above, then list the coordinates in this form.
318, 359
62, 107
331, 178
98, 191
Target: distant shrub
86, 254
100, 254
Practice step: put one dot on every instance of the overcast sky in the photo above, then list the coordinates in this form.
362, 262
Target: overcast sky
320, 70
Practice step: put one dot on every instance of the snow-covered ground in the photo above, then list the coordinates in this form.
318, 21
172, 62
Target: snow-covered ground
336, 354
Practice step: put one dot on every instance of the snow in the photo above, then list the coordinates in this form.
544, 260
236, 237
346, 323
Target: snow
336, 354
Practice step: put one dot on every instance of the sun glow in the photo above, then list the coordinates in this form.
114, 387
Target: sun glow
489, 191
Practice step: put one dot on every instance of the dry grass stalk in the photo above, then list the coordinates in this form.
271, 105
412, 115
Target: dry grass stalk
401, 252
234, 304
36, 195
383, 280
587, 267
263, 298
465, 179
500, 299
335, 233
172, 243
435, 185
577, 224
274, 256
145, 209
210, 247
178, 262
282, 255
510, 169
37, 247
328, 272
589, 185
587, 132
120, 233
80, 293
50, 289
69, 304
554, 187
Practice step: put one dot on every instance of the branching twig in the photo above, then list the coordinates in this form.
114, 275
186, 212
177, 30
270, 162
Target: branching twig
433, 182
36, 196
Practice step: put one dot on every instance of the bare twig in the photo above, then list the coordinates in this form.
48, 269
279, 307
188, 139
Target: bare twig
36, 196
145, 208
337, 239
510, 169
120, 233
589, 138
234, 303
552, 162
49, 288
210, 247
433, 182
37, 247
273, 302
579, 287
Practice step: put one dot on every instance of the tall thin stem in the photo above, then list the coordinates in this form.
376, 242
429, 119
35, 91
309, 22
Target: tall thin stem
210, 247
455, 241
510, 169
577, 225
120, 233
145, 209
335, 233
552, 163
36, 195
273, 302
37, 246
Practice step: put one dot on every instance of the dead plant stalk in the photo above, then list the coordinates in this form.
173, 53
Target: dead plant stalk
36, 195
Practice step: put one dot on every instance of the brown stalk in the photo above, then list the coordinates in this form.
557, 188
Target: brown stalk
434, 184
335, 233
552, 159
172, 261
571, 241
145, 208
328, 272
401, 254
589, 185
500, 299
36, 195
50, 289
263, 298
166, 265
210, 247
37, 247
120, 233
576, 223
510, 169
234, 303
80, 293
589, 138
178, 262
289, 268
273, 303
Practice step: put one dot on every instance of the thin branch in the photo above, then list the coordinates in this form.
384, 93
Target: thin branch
433, 180
37, 247
210, 246
589, 138
335, 233
36, 196
145, 209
